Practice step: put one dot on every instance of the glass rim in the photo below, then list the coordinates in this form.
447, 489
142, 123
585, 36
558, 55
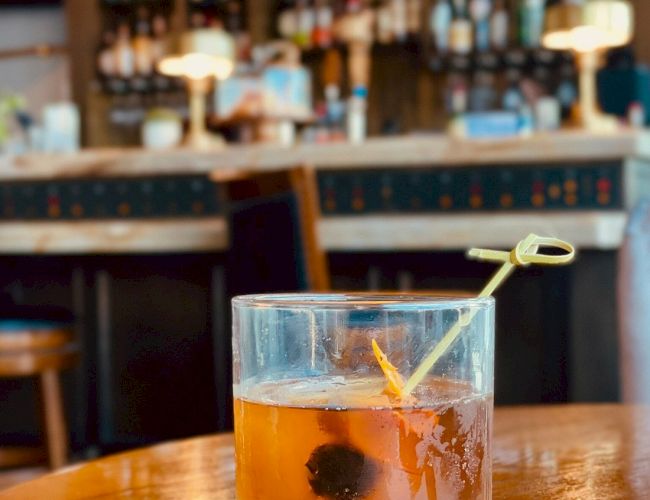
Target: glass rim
360, 301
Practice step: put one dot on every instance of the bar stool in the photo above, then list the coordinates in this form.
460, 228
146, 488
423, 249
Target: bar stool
38, 342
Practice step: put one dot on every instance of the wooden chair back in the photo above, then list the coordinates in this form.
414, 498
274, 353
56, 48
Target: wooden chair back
300, 182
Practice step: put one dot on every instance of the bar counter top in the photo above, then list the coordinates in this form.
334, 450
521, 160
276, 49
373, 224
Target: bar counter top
404, 151
590, 229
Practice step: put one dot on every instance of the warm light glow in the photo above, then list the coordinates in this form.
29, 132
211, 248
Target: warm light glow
202, 53
196, 66
584, 39
596, 25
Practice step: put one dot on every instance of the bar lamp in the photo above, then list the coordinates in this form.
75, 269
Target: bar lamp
200, 56
589, 28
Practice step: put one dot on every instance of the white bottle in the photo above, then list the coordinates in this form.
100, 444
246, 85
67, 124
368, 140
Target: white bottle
548, 114
288, 23
124, 55
356, 117
106, 62
480, 12
441, 16
499, 26
61, 127
636, 115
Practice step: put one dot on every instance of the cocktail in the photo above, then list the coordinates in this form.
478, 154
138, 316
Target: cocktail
323, 411
314, 417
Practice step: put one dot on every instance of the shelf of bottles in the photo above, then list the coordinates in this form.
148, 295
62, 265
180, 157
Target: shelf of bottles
488, 52
134, 39
136, 36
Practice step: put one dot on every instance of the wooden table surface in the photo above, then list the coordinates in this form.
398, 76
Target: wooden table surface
555, 452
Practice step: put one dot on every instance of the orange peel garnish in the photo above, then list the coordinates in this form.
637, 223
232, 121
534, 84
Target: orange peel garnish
395, 382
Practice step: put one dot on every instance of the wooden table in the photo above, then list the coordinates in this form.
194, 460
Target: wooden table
555, 452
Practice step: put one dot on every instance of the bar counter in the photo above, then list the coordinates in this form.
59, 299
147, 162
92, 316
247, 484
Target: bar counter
599, 229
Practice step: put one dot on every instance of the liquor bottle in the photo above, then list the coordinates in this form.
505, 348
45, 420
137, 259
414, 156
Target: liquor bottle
235, 24
513, 98
531, 22
288, 21
356, 117
124, 55
106, 62
322, 34
335, 112
567, 92
159, 49
499, 26
306, 18
548, 115
480, 12
384, 23
160, 44
331, 81
636, 115
143, 44
332, 68
460, 35
483, 95
234, 17
413, 17
440, 20
355, 29
356, 22
544, 64
400, 25
456, 94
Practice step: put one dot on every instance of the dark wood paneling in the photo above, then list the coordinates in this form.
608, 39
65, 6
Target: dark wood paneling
642, 34
84, 29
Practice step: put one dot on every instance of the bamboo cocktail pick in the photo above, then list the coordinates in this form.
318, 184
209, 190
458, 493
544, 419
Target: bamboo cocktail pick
524, 254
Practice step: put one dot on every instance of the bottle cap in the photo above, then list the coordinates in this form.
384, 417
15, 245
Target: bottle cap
360, 91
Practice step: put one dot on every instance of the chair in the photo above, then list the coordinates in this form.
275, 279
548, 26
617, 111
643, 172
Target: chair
38, 342
279, 205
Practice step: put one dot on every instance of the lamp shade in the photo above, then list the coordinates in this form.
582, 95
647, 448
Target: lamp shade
594, 25
202, 53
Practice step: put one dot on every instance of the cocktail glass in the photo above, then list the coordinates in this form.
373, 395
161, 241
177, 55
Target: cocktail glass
316, 419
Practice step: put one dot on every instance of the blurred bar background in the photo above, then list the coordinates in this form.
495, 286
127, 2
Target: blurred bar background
159, 157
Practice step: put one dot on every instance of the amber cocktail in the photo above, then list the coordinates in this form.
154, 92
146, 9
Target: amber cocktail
314, 418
